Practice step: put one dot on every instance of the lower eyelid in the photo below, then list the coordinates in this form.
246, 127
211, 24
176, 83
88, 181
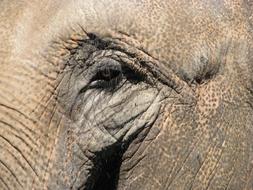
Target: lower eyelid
105, 84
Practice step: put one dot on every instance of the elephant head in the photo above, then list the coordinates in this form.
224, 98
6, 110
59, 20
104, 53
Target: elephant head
127, 95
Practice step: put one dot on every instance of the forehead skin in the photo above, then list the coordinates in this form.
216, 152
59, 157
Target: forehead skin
168, 30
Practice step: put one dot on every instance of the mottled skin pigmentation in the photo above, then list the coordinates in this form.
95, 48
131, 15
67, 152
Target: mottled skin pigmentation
126, 95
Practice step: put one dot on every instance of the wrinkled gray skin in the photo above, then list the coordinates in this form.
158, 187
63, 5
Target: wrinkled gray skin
126, 94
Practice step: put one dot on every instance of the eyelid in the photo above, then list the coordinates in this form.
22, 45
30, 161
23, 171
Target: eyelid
108, 62
117, 56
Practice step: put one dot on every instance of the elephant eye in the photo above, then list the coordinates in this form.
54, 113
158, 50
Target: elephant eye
107, 74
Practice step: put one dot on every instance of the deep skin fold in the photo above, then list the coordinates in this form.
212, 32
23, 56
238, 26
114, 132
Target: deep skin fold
65, 95
196, 133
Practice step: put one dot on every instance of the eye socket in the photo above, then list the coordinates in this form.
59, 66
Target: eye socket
107, 74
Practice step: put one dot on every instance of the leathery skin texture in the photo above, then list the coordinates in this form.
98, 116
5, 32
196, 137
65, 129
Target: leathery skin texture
126, 95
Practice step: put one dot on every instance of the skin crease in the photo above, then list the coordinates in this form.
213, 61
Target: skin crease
192, 129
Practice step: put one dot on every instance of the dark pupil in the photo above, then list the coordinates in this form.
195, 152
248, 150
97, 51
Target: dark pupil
107, 74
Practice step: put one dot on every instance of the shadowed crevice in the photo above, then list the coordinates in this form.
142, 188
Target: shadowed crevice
105, 172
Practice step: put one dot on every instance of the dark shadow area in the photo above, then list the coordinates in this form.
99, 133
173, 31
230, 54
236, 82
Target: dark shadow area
105, 173
109, 173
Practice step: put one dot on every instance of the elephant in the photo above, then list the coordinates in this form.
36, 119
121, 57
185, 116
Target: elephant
126, 95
